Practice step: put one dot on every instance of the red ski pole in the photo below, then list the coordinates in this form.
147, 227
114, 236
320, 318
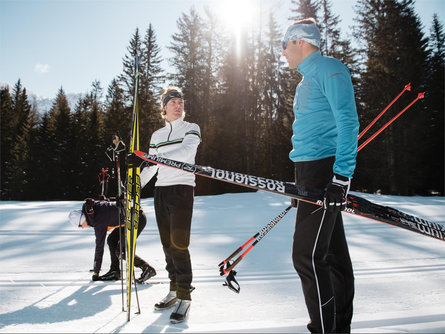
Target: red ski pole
419, 96
225, 266
407, 87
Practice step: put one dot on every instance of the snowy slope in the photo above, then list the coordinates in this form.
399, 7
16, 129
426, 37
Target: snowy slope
45, 280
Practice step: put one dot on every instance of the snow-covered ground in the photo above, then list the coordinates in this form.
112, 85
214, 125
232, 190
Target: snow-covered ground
45, 280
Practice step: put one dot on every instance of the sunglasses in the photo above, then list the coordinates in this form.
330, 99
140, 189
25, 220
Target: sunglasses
284, 45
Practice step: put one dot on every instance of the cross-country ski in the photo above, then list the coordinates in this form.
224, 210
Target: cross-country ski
356, 204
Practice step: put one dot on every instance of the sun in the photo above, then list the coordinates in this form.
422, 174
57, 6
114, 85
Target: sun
237, 14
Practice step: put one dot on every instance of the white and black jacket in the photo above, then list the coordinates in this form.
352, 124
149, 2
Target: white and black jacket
177, 140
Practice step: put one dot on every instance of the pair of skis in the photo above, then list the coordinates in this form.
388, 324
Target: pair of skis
131, 220
356, 205
132, 199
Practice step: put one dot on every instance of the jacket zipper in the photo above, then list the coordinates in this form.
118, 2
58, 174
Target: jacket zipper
171, 129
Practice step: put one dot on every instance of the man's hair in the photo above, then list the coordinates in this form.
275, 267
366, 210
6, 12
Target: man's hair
166, 91
309, 20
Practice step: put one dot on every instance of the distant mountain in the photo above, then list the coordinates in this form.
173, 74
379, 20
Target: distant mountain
44, 104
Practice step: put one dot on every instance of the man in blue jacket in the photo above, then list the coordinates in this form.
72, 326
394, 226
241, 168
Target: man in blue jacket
324, 152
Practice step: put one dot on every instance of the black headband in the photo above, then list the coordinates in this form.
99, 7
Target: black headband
171, 94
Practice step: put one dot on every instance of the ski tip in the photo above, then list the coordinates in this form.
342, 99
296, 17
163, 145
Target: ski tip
408, 87
421, 95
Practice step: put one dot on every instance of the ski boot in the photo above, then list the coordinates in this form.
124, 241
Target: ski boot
112, 275
181, 311
167, 302
147, 273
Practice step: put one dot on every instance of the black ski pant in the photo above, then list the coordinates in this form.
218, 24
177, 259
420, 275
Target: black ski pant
113, 245
321, 257
174, 209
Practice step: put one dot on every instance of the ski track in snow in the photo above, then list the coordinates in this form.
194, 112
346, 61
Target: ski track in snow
45, 281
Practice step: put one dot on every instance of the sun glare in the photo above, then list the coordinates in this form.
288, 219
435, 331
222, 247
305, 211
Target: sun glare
237, 14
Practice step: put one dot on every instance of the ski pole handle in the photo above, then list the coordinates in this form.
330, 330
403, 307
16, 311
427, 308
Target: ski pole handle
230, 257
237, 251
231, 266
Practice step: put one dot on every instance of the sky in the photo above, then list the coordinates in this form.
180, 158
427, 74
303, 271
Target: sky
50, 44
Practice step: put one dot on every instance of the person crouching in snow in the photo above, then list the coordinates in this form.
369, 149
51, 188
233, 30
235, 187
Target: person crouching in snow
103, 216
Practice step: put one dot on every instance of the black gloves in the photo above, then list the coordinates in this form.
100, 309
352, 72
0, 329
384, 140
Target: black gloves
133, 160
96, 277
336, 193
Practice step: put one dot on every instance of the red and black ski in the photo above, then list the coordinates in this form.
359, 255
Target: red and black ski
356, 205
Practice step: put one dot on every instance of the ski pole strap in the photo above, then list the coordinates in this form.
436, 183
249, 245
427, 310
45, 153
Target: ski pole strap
103, 175
231, 282
227, 267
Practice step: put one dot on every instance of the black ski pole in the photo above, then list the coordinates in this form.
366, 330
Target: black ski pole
118, 147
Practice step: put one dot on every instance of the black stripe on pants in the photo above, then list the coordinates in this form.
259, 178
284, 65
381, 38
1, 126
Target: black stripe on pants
174, 209
321, 257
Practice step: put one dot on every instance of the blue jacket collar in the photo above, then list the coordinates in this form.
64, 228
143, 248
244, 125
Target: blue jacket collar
308, 63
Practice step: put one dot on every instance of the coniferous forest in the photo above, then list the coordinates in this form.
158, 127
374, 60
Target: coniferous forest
239, 91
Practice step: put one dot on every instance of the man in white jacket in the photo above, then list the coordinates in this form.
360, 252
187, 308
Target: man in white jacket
173, 198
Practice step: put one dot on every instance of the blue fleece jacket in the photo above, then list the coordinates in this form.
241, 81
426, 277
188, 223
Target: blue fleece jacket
326, 122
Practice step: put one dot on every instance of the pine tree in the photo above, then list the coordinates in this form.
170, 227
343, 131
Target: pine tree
271, 132
394, 53
332, 44
7, 137
128, 78
81, 186
212, 46
31, 189
22, 123
98, 144
18, 164
304, 9
188, 62
62, 140
43, 161
117, 118
150, 80
236, 105
434, 131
